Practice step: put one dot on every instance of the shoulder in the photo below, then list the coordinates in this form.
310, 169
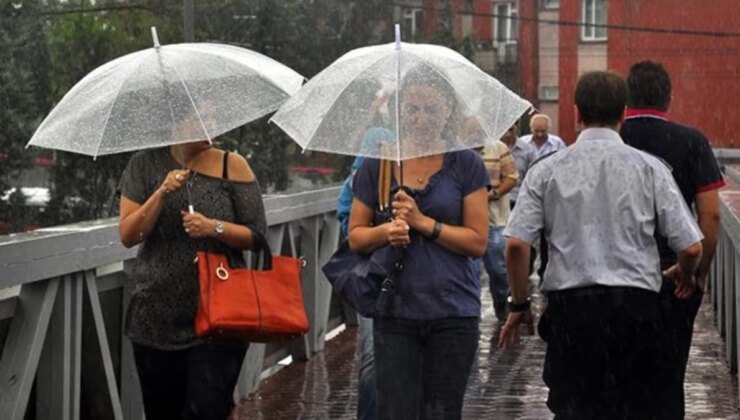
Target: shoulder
525, 139
495, 150
466, 158
558, 141
239, 169
146, 159
692, 134
649, 159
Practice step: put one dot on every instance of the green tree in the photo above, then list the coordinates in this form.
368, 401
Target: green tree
21, 47
78, 43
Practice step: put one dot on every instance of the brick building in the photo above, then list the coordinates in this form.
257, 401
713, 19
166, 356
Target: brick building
540, 47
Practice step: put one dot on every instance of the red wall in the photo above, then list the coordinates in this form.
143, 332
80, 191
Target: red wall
568, 69
528, 50
705, 71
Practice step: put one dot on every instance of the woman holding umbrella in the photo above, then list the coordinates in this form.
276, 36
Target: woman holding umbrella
425, 350
182, 376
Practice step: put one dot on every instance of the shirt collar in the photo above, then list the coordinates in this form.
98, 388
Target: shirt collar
646, 113
597, 133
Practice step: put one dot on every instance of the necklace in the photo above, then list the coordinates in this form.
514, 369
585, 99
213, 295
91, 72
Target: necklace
420, 180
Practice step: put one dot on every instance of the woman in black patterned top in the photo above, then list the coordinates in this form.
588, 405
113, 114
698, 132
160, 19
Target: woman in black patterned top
181, 375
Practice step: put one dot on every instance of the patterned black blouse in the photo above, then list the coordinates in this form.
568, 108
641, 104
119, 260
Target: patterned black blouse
164, 297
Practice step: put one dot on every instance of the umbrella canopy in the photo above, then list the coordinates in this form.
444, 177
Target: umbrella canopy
358, 92
166, 95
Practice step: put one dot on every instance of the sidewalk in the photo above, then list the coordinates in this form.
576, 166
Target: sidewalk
503, 384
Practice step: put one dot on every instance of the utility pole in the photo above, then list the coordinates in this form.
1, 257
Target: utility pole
189, 20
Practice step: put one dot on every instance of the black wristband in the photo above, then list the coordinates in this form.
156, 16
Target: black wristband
518, 307
436, 231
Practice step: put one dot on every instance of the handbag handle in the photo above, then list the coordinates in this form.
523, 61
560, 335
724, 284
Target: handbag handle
260, 245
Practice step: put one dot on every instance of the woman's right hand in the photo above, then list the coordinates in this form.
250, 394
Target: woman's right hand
398, 233
174, 180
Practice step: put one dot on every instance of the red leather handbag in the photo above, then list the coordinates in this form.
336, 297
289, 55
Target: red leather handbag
242, 304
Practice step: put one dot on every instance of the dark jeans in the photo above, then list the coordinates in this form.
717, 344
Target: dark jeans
608, 354
422, 367
679, 315
194, 383
366, 407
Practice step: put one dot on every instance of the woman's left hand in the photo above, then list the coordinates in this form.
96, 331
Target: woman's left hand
405, 208
197, 226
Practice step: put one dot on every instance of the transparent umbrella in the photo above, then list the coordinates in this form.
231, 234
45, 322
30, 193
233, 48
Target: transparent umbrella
357, 93
166, 95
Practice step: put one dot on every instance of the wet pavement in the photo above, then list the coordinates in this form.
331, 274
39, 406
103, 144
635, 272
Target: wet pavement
503, 384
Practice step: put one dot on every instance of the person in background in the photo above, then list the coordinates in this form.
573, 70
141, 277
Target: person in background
183, 376
504, 176
541, 139
599, 203
524, 157
544, 144
374, 137
688, 152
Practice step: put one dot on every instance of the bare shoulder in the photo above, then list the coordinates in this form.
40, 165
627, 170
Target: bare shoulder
239, 169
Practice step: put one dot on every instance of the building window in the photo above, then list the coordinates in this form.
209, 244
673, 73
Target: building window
505, 23
412, 23
550, 4
594, 13
549, 93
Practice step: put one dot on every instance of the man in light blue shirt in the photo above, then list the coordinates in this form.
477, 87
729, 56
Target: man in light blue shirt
543, 142
599, 203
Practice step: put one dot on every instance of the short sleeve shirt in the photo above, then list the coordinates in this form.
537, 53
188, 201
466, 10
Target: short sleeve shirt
165, 290
500, 165
685, 149
599, 203
434, 283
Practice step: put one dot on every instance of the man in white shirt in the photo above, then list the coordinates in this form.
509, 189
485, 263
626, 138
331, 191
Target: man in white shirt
541, 139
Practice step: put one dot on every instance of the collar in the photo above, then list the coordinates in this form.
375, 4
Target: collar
646, 113
549, 140
598, 133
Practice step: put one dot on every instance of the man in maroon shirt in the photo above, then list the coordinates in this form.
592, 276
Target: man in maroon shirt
687, 151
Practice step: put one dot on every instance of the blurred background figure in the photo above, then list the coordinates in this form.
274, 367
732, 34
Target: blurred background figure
503, 175
541, 139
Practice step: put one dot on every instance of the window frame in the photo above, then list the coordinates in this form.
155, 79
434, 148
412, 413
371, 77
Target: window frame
415, 17
547, 5
512, 12
590, 33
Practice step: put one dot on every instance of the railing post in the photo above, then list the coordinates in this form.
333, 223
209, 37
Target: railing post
23, 346
730, 309
59, 371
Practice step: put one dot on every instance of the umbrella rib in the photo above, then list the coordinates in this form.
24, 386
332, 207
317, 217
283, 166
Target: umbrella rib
113, 103
341, 91
192, 102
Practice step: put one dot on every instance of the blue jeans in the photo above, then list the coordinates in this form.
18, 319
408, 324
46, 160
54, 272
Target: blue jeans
422, 367
495, 265
366, 407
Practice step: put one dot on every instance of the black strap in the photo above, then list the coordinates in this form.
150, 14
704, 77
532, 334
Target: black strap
225, 174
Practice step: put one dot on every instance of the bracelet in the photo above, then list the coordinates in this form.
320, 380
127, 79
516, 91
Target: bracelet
436, 231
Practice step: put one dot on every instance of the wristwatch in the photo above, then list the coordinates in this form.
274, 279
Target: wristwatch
518, 306
218, 227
